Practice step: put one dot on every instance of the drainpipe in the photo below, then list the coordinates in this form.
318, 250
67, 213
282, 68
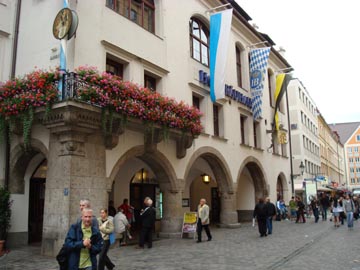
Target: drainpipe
13, 72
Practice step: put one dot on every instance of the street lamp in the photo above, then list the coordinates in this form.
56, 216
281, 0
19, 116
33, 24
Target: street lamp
302, 168
293, 176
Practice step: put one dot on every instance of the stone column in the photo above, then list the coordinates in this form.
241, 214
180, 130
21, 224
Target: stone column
172, 212
76, 170
228, 215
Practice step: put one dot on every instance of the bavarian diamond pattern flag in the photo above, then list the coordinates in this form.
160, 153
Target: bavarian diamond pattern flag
258, 65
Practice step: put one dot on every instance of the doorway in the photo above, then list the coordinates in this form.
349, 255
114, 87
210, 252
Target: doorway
36, 209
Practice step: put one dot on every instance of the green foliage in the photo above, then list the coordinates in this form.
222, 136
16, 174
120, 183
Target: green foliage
5, 213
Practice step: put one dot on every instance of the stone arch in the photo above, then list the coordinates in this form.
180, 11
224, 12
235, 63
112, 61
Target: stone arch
19, 161
251, 185
217, 162
165, 172
222, 174
169, 185
281, 182
257, 173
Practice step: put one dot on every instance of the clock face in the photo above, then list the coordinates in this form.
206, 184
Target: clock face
62, 23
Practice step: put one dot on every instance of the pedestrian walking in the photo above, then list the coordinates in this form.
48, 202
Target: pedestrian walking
147, 217
325, 204
342, 215
106, 227
261, 215
349, 208
83, 242
85, 203
271, 212
315, 208
292, 208
121, 224
203, 220
336, 212
300, 210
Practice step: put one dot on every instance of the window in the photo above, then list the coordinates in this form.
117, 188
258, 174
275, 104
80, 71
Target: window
358, 180
238, 66
271, 90
141, 12
352, 180
199, 41
356, 149
150, 82
196, 102
349, 150
242, 129
256, 134
114, 67
216, 120
358, 138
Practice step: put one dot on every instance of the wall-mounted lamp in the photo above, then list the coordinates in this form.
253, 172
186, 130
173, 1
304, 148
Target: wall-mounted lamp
205, 178
302, 167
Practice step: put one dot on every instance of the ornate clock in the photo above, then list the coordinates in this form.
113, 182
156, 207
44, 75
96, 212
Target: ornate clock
62, 23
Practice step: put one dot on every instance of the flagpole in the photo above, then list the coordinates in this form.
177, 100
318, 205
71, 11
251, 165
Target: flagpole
63, 45
215, 8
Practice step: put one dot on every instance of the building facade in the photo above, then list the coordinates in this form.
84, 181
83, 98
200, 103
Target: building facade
304, 134
349, 134
332, 155
163, 45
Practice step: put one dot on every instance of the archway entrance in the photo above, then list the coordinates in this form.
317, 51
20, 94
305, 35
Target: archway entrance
208, 177
279, 189
143, 184
36, 203
251, 186
205, 187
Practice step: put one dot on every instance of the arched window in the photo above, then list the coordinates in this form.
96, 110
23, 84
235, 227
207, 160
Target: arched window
239, 66
199, 41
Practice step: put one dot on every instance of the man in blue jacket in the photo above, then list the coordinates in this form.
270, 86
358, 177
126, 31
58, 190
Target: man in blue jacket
83, 242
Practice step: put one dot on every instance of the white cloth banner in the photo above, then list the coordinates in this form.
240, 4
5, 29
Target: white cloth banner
220, 25
258, 65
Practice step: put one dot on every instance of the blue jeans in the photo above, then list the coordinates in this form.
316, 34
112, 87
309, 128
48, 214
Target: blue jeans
269, 225
316, 214
350, 219
324, 213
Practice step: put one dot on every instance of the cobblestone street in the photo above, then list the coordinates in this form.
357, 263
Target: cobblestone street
291, 246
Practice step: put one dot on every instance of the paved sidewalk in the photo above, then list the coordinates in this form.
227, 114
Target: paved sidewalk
291, 246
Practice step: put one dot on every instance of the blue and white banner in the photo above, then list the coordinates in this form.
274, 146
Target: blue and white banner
220, 25
258, 66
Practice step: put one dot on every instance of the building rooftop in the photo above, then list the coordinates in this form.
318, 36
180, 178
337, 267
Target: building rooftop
344, 130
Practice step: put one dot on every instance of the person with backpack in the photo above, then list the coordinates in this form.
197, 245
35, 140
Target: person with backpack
300, 210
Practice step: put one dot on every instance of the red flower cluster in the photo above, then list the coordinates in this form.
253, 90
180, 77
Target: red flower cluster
106, 90
110, 91
34, 90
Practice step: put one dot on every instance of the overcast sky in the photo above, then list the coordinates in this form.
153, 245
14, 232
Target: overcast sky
322, 43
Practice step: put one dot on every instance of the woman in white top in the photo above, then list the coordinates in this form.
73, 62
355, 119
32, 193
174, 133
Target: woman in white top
337, 208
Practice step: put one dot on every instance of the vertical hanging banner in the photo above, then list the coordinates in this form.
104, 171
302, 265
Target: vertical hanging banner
220, 25
282, 81
258, 65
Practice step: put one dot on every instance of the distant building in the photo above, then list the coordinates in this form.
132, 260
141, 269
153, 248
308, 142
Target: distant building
332, 155
349, 134
304, 134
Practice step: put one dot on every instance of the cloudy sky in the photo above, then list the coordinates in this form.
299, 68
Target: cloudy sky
322, 43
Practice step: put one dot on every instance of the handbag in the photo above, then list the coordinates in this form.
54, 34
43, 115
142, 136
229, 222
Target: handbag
62, 258
112, 238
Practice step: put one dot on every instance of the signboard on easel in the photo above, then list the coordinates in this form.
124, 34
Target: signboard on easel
189, 223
